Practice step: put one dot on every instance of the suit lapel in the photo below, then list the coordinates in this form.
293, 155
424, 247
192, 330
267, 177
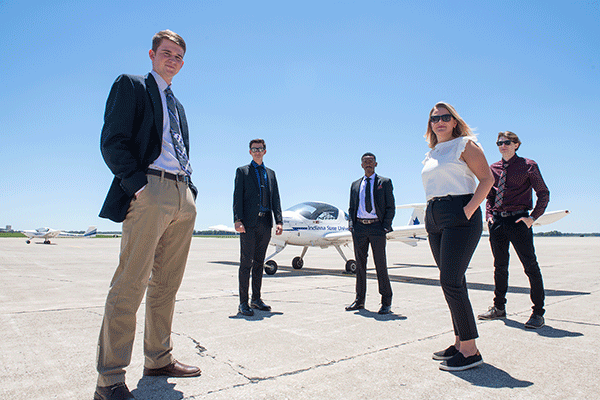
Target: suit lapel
152, 89
376, 196
253, 177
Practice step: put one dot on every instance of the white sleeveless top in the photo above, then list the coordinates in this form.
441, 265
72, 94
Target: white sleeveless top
444, 173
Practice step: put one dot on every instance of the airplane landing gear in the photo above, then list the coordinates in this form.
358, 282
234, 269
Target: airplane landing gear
351, 266
28, 241
297, 263
270, 267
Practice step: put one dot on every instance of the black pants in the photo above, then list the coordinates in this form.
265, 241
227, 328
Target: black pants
253, 247
504, 231
453, 239
374, 234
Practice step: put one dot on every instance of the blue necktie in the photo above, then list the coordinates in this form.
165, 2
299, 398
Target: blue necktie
178, 144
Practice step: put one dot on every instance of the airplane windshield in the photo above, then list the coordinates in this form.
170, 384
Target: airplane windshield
316, 211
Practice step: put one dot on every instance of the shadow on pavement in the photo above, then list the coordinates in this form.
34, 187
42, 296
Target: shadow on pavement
491, 377
156, 387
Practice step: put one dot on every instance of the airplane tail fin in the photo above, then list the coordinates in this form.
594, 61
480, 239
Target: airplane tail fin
417, 217
91, 232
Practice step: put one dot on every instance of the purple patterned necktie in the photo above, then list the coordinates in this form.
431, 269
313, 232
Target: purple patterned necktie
178, 144
501, 187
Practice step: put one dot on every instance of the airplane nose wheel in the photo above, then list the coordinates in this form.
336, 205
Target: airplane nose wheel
297, 263
270, 267
351, 266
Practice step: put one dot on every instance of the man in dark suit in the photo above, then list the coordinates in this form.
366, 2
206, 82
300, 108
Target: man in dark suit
255, 204
372, 209
145, 143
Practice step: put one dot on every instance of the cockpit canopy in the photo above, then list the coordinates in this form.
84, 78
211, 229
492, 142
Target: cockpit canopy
317, 211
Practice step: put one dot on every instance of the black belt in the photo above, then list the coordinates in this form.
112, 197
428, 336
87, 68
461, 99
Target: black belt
367, 221
263, 213
505, 214
449, 197
168, 175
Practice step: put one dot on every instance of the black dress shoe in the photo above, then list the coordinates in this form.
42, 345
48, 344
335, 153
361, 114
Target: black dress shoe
385, 310
259, 304
117, 391
357, 305
175, 369
245, 309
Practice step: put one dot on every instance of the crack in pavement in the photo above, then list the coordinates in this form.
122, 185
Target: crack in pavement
202, 351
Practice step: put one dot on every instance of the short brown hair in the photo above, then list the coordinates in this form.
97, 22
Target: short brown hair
169, 35
259, 141
510, 136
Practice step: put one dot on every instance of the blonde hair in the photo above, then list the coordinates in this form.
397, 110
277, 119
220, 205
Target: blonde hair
461, 128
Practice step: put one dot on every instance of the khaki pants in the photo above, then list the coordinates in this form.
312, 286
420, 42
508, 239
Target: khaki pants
157, 234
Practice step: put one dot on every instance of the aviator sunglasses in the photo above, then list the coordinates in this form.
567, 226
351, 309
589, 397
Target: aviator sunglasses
436, 118
503, 142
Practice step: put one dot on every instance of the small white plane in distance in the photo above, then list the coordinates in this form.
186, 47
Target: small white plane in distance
47, 234
318, 224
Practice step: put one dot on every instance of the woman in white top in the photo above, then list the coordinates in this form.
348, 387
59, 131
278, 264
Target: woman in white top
456, 178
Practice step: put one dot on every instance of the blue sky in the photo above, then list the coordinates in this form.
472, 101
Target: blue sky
322, 82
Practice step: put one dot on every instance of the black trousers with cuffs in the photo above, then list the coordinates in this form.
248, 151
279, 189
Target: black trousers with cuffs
453, 239
253, 248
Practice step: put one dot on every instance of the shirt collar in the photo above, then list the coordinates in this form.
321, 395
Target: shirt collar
511, 160
162, 84
255, 165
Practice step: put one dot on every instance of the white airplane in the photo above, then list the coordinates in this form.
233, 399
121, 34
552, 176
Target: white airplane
47, 234
318, 224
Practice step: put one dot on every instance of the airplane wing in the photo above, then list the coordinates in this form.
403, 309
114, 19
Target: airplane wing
339, 237
90, 232
408, 234
551, 217
545, 219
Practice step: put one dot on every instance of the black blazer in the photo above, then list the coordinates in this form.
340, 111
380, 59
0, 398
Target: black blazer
132, 139
385, 205
246, 196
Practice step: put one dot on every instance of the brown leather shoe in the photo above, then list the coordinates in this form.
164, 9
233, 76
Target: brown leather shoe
175, 369
117, 391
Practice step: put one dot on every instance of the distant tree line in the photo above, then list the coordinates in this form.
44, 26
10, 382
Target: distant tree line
214, 233
557, 233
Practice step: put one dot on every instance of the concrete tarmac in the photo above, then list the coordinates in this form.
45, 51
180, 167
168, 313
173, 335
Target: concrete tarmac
52, 302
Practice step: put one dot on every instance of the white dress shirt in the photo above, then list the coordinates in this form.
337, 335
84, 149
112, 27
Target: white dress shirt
362, 212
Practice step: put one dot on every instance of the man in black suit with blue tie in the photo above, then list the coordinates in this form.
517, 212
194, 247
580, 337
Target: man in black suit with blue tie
145, 143
372, 209
255, 204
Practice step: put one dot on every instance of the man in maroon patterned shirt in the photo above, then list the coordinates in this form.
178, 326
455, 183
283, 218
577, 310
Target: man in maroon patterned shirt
507, 214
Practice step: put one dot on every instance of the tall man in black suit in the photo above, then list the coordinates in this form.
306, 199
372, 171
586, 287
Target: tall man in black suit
145, 143
255, 204
372, 209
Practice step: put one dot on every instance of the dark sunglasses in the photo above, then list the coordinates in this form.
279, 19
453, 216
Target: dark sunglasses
436, 118
256, 149
503, 142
